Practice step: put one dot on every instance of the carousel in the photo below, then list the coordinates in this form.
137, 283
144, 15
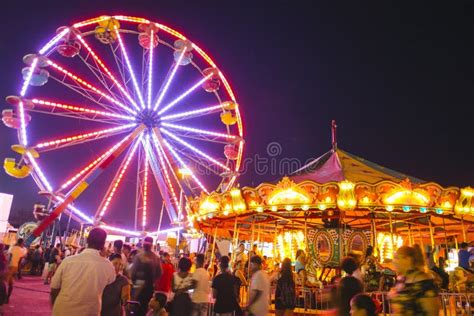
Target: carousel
338, 204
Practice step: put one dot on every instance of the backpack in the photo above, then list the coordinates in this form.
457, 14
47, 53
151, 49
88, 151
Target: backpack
287, 293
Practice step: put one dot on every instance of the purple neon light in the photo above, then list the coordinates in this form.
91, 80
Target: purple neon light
194, 149
190, 113
129, 65
53, 41
150, 69
197, 130
185, 94
168, 82
183, 165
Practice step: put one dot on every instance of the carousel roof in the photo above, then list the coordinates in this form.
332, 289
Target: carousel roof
338, 165
341, 189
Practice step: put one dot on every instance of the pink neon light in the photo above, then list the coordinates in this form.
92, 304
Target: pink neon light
24, 139
197, 130
183, 165
121, 230
131, 19
185, 94
145, 191
37, 169
92, 21
168, 180
53, 41
85, 83
80, 109
92, 164
107, 71
82, 136
130, 69
168, 82
190, 113
119, 179
28, 78
75, 210
194, 149
150, 69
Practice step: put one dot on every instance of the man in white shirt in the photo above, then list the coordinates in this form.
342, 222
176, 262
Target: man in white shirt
259, 289
202, 289
16, 253
77, 285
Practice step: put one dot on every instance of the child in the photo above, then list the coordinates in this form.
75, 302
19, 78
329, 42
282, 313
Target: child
157, 306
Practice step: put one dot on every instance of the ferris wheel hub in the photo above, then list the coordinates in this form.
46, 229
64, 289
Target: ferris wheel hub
149, 118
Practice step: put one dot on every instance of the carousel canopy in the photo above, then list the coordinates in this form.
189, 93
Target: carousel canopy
338, 165
338, 189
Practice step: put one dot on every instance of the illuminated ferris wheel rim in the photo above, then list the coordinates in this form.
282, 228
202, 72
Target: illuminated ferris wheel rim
38, 175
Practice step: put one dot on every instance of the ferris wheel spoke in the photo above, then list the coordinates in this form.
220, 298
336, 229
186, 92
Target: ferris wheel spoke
198, 160
192, 114
184, 166
80, 90
169, 79
185, 94
104, 204
145, 191
120, 66
81, 138
150, 69
194, 149
162, 179
90, 165
201, 134
101, 78
129, 66
88, 85
102, 65
60, 108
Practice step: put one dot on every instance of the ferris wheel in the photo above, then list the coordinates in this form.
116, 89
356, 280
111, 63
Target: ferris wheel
133, 106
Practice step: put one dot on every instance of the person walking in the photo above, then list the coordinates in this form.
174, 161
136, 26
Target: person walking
163, 284
54, 260
348, 287
223, 290
77, 285
145, 270
259, 289
16, 253
200, 295
117, 294
3, 274
415, 292
181, 305
285, 294
36, 260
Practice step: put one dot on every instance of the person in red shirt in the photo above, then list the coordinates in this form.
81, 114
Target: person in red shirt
163, 284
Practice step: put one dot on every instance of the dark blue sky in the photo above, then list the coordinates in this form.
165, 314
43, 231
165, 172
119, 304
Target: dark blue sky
397, 76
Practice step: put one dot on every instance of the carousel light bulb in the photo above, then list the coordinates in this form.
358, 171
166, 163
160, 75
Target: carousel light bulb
423, 210
406, 209
289, 207
274, 208
260, 209
389, 208
305, 207
322, 207
226, 213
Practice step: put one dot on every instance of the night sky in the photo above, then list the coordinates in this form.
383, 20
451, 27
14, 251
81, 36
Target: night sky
397, 77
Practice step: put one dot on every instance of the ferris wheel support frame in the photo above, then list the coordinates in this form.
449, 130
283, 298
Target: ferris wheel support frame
82, 186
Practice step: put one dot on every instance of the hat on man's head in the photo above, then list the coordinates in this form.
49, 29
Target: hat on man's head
148, 240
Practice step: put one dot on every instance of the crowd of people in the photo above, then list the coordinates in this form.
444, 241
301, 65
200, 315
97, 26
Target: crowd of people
145, 280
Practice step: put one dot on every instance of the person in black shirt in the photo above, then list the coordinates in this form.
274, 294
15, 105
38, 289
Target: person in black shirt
145, 270
223, 290
348, 286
